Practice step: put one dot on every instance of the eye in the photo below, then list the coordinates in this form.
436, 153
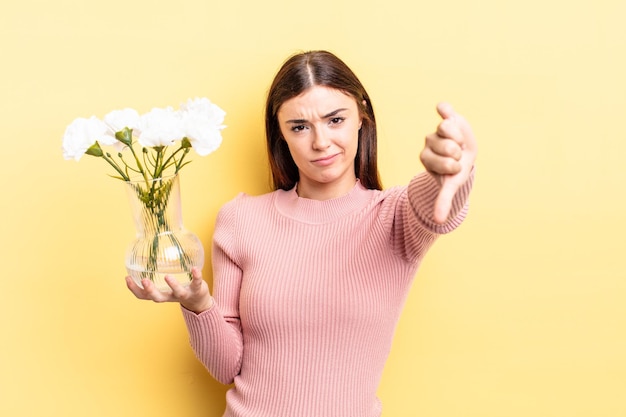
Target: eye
337, 120
298, 128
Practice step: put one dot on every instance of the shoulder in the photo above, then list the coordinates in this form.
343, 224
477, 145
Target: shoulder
390, 195
244, 204
244, 201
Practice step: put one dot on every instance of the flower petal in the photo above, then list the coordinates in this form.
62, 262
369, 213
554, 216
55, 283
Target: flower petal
160, 127
202, 122
80, 135
118, 120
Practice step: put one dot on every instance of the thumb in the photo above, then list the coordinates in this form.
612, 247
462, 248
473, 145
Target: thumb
443, 203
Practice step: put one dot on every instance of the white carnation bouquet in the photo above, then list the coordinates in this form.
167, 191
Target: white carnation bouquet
197, 124
147, 152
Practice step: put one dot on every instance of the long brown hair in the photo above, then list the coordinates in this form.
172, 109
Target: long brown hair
299, 73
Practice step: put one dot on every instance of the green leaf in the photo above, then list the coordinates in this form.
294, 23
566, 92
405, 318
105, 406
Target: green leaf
95, 150
118, 177
188, 162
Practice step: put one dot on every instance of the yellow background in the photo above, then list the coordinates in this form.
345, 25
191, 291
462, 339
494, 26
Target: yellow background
521, 312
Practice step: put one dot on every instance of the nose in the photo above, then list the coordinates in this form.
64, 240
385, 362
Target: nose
321, 139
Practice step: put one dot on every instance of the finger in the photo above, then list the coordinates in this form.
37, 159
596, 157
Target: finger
466, 134
196, 279
440, 165
445, 110
134, 288
152, 293
178, 291
455, 126
443, 204
450, 129
443, 146
196, 274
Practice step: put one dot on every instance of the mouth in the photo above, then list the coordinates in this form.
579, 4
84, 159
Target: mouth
326, 160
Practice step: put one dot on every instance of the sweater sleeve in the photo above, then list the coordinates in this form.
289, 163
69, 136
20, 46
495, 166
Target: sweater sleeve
414, 230
215, 335
422, 194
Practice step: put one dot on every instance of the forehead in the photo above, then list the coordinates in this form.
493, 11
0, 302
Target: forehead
317, 100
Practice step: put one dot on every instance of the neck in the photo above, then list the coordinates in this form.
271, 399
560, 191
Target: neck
320, 191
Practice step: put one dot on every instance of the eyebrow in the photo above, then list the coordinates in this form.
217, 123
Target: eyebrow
326, 116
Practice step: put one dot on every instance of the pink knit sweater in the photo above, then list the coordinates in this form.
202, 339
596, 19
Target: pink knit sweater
308, 294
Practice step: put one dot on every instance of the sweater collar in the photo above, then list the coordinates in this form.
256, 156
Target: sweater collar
311, 211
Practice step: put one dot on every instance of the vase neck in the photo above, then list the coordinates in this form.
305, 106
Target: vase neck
155, 205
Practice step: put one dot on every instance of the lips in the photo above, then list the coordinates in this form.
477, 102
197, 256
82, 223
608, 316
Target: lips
326, 160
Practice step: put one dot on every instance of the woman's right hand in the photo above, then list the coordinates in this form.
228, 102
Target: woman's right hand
448, 155
195, 297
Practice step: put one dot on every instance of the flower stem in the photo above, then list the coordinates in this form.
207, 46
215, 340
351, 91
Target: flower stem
177, 163
142, 171
117, 168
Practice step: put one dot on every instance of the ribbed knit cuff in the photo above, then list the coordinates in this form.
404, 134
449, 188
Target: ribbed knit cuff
196, 323
423, 191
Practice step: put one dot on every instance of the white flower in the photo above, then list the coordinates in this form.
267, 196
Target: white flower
80, 135
197, 124
116, 121
202, 124
160, 127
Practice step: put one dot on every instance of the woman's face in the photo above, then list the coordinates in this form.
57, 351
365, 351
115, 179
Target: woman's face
321, 128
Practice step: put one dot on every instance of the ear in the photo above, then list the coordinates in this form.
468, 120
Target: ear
365, 106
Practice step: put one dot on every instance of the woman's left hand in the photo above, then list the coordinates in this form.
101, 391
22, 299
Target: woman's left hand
449, 154
194, 297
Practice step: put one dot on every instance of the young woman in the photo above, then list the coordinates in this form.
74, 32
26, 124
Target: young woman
310, 279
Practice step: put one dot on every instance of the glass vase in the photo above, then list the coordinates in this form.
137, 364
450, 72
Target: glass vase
162, 245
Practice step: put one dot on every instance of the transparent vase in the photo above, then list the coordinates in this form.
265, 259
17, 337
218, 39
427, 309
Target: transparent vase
162, 247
